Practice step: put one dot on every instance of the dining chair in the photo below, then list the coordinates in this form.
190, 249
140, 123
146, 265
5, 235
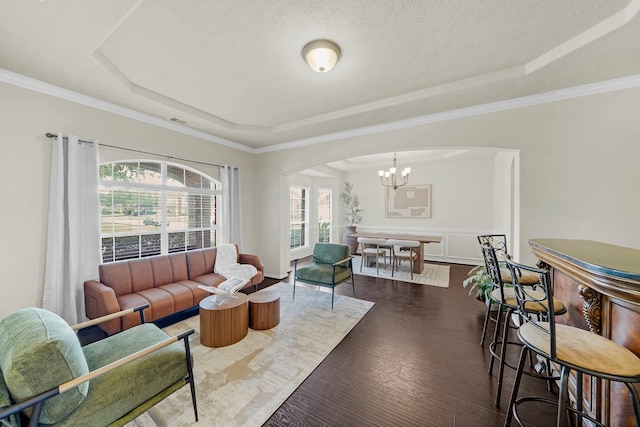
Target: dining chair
403, 250
370, 247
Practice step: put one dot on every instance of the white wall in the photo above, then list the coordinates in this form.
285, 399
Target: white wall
24, 176
465, 191
578, 161
578, 176
504, 197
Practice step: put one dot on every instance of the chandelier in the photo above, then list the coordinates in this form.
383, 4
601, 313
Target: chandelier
390, 178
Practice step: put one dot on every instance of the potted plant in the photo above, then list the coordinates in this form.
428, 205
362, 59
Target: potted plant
479, 280
352, 214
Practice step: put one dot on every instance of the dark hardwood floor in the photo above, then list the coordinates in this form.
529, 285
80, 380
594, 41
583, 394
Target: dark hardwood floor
413, 360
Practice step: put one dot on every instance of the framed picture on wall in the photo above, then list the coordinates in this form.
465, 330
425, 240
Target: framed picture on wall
408, 201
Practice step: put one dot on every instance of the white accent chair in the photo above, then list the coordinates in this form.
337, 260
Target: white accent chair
371, 248
403, 250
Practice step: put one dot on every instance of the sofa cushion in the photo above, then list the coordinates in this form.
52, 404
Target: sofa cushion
141, 274
181, 295
200, 294
322, 274
168, 268
117, 276
179, 267
39, 351
160, 303
5, 400
201, 262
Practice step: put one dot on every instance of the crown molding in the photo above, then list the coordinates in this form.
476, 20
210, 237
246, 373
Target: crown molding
613, 85
78, 98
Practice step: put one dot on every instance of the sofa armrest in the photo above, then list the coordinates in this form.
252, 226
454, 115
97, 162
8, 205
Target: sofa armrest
100, 300
255, 261
251, 259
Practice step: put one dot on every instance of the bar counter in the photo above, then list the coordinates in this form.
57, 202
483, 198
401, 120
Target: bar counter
600, 285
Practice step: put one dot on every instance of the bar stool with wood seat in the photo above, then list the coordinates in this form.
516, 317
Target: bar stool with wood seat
504, 297
403, 250
372, 250
499, 243
569, 347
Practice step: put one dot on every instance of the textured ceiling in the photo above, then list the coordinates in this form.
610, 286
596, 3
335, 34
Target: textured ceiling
233, 68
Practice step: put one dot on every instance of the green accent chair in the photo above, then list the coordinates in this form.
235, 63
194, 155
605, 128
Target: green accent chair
48, 378
332, 265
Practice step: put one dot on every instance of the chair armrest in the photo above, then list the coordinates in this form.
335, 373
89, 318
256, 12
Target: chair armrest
349, 258
112, 316
38, 400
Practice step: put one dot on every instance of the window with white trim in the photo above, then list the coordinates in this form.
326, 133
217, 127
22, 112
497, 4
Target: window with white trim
298, 225
324, 215
151, 208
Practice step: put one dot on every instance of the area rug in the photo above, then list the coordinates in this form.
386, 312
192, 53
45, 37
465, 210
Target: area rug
244, 383
432, 274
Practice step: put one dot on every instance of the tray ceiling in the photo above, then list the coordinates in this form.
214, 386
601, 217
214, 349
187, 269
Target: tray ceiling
233, 68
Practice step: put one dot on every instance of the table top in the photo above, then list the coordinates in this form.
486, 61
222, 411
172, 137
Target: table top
596, 256
399, 236
223, 302
264, 296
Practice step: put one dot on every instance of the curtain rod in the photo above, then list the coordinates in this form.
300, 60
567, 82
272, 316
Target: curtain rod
51, 135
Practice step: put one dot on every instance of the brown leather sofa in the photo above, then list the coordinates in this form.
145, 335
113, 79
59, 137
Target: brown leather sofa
168, 283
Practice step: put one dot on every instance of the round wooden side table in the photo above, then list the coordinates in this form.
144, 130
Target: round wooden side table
224, 320
264, 309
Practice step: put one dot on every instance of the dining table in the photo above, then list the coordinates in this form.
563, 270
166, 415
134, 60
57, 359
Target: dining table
422, 238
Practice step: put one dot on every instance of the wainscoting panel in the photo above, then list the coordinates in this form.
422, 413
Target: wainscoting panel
463, 246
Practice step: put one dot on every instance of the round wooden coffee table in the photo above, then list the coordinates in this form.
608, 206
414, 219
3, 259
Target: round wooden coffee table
264, 309
224, 320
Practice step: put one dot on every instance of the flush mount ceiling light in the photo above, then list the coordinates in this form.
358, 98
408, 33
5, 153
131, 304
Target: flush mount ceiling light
321, 55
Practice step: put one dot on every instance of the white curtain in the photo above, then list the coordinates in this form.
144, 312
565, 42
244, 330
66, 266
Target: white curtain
231, 218
73, 241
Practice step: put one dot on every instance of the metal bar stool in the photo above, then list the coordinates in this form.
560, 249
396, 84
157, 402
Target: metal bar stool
504, 297
499, 243
571, 348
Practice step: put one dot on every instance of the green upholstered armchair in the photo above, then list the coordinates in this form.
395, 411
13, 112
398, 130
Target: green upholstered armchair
48, 378
331, 266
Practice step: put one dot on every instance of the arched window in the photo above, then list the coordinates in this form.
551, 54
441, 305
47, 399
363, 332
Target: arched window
150, 208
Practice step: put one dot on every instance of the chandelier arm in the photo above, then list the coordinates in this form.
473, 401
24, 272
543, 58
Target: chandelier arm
390, 179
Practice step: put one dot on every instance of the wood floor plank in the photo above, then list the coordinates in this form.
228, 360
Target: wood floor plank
413, 360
